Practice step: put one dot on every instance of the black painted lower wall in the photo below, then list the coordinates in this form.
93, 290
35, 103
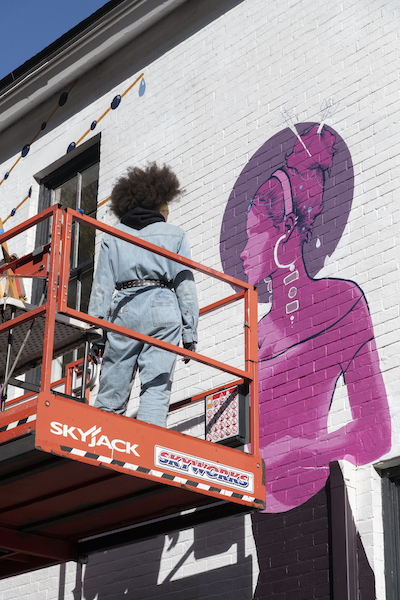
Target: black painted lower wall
295, 554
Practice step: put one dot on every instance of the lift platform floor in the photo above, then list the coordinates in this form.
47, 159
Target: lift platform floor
69, 334
76, 480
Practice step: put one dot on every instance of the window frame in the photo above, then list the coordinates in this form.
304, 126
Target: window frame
55, 178
391, 529
48, 184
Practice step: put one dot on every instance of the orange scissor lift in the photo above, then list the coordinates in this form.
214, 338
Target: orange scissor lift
76, 480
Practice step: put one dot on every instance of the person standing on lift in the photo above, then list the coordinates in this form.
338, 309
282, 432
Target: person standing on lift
145, 292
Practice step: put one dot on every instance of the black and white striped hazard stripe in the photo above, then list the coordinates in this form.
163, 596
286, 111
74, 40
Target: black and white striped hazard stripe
166, 476
15, 424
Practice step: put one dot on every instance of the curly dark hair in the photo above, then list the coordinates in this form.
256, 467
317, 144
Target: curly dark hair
150, 188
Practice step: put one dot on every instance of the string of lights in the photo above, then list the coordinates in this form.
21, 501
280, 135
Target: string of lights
62, 100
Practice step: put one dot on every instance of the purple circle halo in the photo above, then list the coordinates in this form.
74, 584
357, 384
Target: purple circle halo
328, 225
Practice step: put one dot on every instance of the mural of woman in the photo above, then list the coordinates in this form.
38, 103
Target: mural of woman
316, 332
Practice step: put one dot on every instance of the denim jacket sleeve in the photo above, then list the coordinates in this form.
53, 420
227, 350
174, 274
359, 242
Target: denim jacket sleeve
103, 282
185, 289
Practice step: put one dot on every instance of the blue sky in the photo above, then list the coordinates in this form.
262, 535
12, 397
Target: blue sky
28, 26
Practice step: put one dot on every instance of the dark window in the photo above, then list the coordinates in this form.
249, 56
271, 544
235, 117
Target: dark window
391, 529
75, 185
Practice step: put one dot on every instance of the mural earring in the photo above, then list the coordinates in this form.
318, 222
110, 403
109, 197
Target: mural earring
292, 305
278, 264
268, 281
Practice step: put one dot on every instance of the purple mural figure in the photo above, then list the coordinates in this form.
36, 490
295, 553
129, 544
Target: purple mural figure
317, 330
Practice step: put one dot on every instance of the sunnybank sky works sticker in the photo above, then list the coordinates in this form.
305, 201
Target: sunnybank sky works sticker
208, 471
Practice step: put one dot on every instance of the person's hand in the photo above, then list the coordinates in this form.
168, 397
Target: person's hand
97, 349
188, 346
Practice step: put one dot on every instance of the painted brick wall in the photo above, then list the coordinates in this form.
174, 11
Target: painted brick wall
221, 80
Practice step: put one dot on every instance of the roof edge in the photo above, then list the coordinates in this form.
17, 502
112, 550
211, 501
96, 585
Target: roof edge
32, 64
83, 47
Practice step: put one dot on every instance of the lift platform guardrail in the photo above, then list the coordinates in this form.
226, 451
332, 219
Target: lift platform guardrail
76, 480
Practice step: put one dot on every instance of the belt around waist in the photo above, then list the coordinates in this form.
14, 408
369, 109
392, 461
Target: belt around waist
134, 283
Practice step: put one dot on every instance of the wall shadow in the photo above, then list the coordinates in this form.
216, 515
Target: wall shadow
167, 569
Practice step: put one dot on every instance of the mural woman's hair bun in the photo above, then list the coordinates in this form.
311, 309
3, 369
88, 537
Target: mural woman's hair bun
318, 145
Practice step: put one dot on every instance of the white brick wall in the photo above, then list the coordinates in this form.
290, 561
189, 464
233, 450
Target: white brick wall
213, 97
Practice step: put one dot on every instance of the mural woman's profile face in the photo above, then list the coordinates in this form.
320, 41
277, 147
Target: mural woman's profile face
258, 255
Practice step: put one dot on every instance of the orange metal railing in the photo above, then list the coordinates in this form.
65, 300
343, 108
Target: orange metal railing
65, 385
56, 272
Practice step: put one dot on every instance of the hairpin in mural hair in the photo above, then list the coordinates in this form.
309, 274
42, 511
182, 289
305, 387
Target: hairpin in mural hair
293, 128
287, 117
328, 109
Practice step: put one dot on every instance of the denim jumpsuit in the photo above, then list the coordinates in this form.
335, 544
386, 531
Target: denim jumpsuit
159, 312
